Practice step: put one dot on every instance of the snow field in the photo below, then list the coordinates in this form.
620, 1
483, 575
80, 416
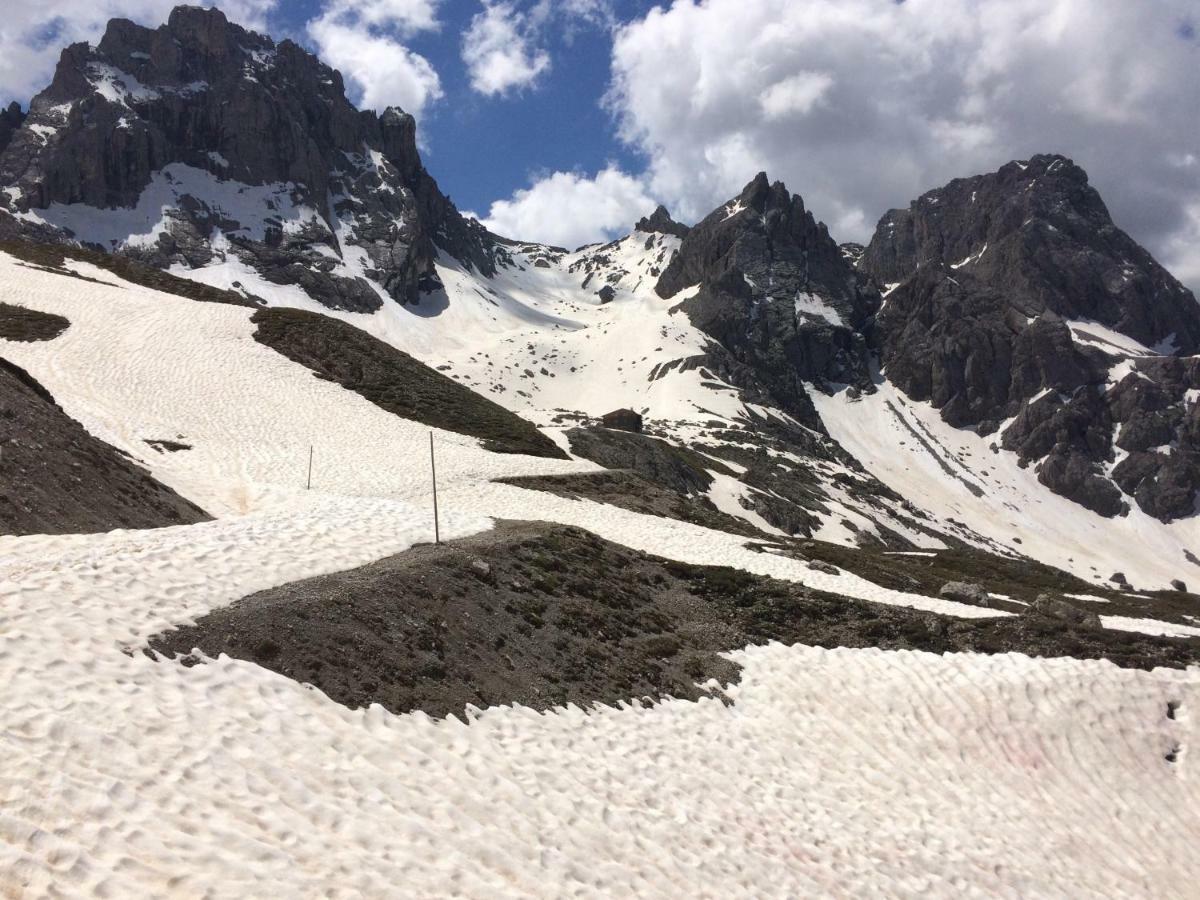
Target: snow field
1049, 528
998, 776
847, 772
137, 364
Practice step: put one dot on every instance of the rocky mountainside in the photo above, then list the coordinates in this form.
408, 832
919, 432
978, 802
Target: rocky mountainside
1009, 305
1015, 305
777, 293
252, 147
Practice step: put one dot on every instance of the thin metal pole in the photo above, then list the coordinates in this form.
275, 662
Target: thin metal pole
437, 534
310, 456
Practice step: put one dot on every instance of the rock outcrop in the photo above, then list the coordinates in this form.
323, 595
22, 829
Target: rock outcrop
10, 120
660, 222
252, 149
1011, 298
776, 292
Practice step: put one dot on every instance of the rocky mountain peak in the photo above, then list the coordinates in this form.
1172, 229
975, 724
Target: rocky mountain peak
1011, 298
766, 243
1039, 232
253, 150
660, 222
776, 294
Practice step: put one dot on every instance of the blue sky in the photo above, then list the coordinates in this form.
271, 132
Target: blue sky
483, 148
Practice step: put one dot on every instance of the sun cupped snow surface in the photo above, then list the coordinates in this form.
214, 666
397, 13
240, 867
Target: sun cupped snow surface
834, 772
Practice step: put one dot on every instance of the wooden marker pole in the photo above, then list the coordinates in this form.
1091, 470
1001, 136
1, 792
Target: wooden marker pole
437, 535
310, 456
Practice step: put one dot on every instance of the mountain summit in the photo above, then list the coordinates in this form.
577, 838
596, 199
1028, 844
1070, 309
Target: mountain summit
254, 152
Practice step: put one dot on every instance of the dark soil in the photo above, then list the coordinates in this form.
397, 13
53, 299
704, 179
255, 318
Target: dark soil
560, 616
630, 491
394, 381
544, 615
1017, 577
58, 479
674, 468
28, 325
54, 256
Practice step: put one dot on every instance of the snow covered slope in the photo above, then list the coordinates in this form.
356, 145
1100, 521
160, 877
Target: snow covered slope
138, 365
538, 339
127, 776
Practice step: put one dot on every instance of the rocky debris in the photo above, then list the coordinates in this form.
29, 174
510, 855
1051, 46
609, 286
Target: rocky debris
163, 445
667, 465
963, 592
660, 222
823, 567
58, 479
631, 491
28, 325
200, 99
566, 617
1049, 606
562, 617
777, 295
394, 381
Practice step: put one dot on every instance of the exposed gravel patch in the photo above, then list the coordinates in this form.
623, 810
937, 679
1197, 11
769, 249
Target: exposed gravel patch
544, 615
395, 381
28, 325
58, 479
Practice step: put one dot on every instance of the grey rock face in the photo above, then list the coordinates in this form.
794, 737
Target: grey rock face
777, 294
10, 120
1038, 232
199, 102
660, 222
982, 277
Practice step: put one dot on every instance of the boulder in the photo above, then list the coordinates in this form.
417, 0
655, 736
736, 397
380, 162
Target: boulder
963, 592
818, 566
1051, 607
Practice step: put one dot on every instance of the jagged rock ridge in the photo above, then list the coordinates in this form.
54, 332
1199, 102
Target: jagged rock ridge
777, 294
253, 148
1013, 300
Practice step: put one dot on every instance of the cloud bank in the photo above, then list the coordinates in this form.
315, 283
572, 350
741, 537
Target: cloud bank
861, 105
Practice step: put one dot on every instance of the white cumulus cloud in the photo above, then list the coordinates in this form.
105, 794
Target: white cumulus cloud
363, 39
568, 209
861, 105
33, 35
499, 49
